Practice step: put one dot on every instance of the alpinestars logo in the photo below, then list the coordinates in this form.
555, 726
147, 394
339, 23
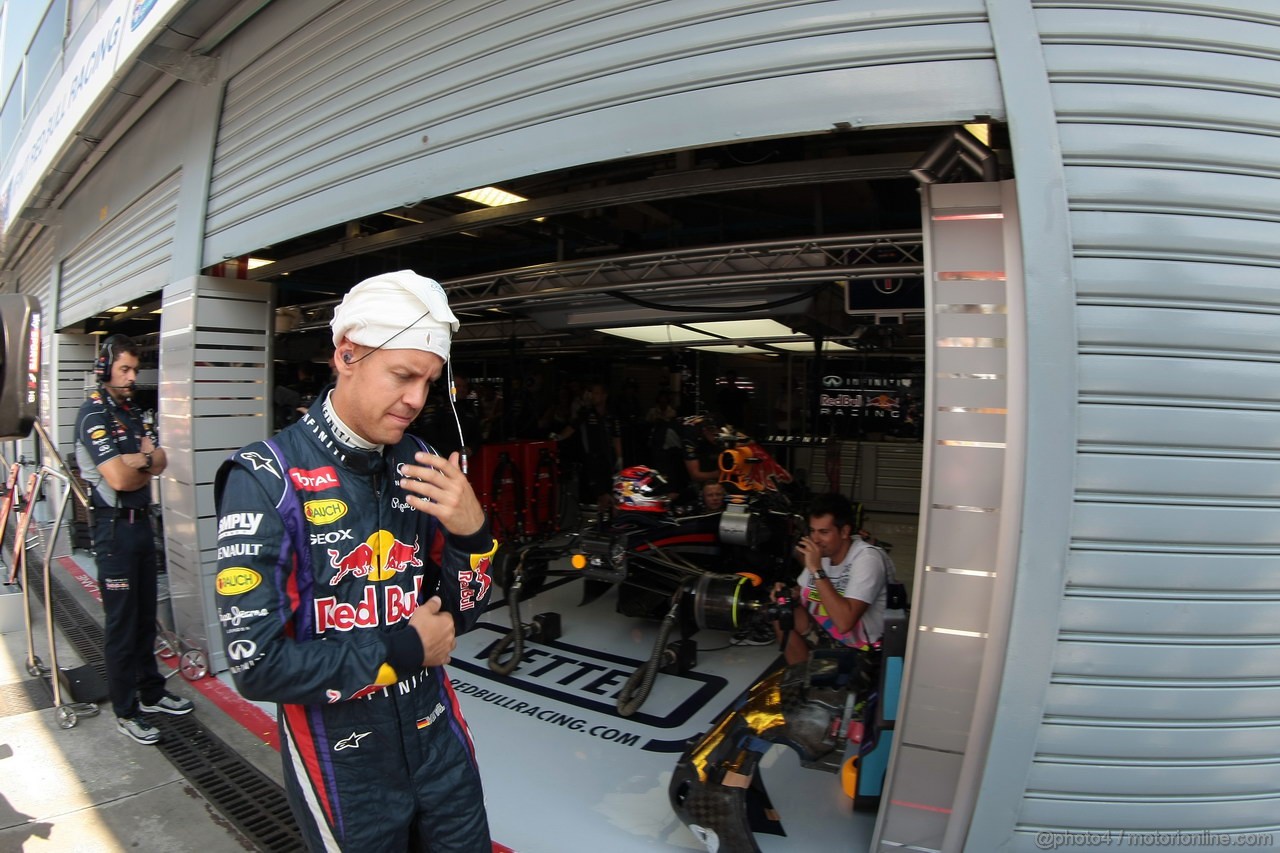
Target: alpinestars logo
351, 741
261, 462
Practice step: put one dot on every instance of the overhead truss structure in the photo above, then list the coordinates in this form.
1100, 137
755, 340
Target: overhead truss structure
496, 301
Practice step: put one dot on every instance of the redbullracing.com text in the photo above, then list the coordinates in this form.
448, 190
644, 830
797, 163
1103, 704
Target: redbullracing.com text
1153, 839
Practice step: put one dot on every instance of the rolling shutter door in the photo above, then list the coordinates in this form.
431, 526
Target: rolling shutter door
372, 104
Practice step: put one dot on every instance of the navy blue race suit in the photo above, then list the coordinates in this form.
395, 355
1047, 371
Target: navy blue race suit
321, 562
124, 549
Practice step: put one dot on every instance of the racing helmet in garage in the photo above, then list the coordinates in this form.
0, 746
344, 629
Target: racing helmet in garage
695, 423
640, 489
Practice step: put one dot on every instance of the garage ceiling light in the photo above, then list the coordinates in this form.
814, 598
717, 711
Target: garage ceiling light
741, 330
491, 197
735, 349
807, 346
662, 334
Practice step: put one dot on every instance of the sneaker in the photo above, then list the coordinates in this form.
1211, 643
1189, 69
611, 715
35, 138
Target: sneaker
168, 704
138, 729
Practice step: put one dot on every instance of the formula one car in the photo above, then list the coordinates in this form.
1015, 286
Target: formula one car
841, 699
670, 564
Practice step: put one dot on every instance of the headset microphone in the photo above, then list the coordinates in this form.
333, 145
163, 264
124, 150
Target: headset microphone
453, 407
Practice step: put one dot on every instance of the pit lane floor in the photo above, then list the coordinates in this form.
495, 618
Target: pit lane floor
563, 771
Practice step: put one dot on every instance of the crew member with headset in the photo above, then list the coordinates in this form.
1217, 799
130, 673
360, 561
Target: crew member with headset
118, 453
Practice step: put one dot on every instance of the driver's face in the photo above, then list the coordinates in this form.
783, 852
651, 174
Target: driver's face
378, 396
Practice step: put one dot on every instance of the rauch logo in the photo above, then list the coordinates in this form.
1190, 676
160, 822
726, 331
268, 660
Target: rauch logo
324, 512
235, 581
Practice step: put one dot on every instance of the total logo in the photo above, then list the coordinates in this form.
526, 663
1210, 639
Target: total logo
236, 580
380, 557
316, 480
325, 511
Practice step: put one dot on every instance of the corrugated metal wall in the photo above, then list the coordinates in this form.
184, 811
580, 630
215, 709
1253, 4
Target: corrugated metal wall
72, 370
127, 257
1161, 712
215, 369
375, 103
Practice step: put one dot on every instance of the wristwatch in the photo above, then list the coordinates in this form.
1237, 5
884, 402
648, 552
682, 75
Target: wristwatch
819, 574
146, 467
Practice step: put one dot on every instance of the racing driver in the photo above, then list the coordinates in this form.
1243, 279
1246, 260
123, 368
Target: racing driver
349, 557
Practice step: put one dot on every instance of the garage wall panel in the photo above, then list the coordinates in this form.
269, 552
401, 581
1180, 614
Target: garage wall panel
1103, 656
1172, 282
1233, 382
128, 257
215, 361
1237, 571
72, 369
1159, 712
371, 104
1245, 740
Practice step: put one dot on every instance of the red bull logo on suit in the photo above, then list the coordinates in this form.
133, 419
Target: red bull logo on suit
380, 557
398, 605
479, 573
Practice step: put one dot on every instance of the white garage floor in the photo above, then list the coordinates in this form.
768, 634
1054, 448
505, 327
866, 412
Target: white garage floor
564, 772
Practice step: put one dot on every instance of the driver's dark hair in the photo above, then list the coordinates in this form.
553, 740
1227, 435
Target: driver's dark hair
838, 507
